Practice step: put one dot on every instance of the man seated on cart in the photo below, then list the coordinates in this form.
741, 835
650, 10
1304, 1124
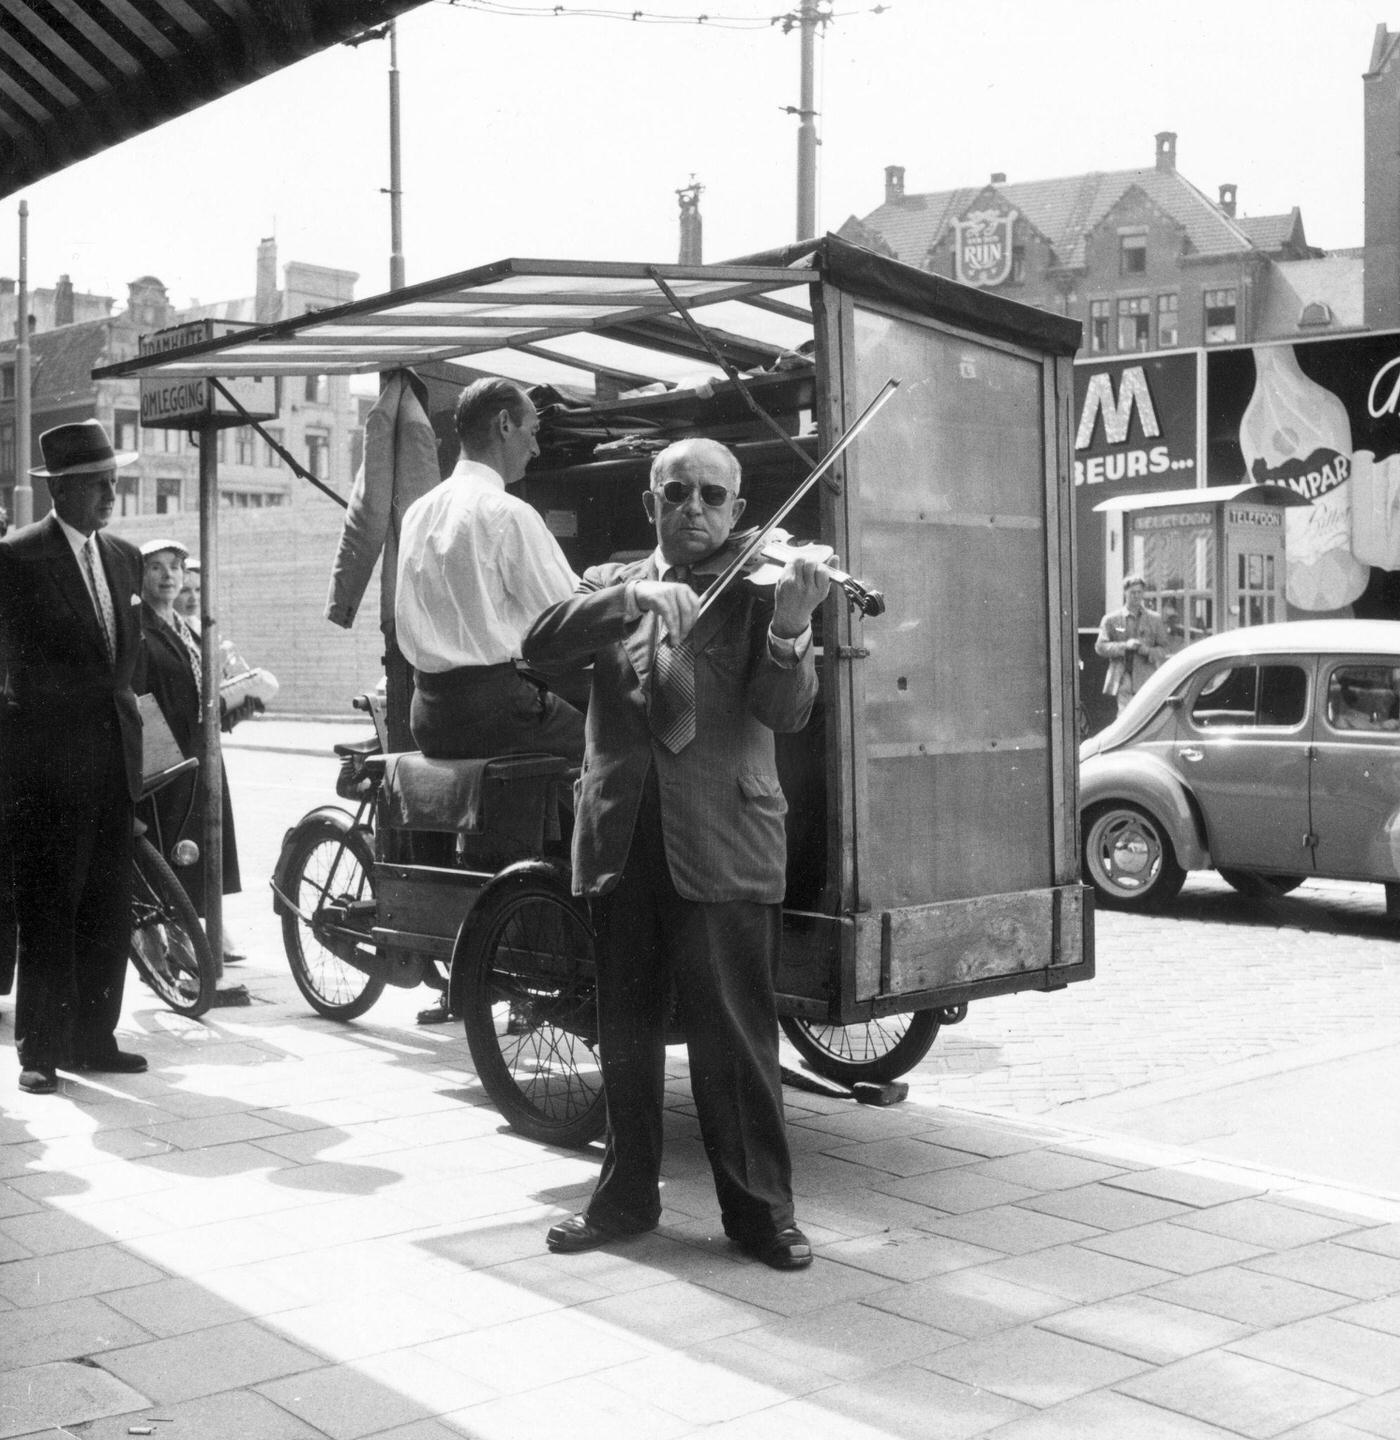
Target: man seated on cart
679, 843
476, 566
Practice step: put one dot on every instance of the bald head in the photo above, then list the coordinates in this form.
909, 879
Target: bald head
694, 499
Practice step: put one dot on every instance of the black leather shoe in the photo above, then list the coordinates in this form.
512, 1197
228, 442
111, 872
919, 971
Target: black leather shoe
115, 1062
38, 1079
437, 1014
787, 1250
579, 1233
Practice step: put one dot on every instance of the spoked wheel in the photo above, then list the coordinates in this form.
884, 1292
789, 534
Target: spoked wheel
882, 1049
1128, 858
528, 993
168, 944
326, 873
1259, 886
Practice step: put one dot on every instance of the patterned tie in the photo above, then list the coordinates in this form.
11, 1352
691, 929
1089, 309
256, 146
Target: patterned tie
187, 639
672, 712
102, 597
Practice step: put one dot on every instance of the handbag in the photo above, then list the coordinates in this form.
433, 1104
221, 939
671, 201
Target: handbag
160, 754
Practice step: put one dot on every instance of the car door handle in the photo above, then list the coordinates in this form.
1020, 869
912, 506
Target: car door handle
1191, 753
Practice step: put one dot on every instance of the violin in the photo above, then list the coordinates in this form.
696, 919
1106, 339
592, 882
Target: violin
764, 567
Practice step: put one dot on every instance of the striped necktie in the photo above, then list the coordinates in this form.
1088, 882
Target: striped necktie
101, 596
672, 711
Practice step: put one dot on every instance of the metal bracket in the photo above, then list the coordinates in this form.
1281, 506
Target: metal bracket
852, 652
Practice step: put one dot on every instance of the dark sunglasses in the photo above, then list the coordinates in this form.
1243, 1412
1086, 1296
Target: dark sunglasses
677, 492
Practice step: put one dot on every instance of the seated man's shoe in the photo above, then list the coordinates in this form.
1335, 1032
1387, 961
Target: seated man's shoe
437, 1014
787, 1250
579, 1233
38, 1079
111, 1062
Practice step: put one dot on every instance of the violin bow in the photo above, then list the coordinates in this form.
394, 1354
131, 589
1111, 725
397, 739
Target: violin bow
752, 546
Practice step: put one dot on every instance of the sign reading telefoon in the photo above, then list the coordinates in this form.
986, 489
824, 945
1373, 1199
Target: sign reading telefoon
189, 401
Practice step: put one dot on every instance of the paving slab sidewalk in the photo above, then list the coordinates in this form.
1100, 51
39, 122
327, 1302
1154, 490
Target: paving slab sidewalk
291, 1228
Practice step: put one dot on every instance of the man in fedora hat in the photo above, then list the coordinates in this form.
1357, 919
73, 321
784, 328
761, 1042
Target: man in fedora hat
70, 759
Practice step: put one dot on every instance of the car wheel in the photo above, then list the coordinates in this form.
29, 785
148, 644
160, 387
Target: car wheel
1128, 858
1258, 886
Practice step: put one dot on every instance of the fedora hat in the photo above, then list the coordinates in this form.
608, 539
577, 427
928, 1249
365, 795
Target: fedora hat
80, 449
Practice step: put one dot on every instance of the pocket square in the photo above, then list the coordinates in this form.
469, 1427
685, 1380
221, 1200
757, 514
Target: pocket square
135, 599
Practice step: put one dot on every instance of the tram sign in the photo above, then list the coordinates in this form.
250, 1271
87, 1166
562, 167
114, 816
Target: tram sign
187, 401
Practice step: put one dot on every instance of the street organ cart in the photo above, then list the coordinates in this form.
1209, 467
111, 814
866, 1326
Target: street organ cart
933, 840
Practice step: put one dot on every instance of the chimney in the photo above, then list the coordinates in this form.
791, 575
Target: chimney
998, 177
894, 184
1227, 199
692, 227
268, 305
63, 301
1166, 150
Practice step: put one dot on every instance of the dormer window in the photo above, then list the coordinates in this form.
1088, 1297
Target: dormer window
1132, 253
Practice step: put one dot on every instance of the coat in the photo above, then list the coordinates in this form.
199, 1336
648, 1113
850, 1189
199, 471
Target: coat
722, 808
1115, 630
179, 808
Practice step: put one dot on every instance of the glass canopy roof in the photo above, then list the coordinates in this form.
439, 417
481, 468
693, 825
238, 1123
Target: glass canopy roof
537, 321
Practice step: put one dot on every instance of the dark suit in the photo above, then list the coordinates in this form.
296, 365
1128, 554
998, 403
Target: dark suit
70, 770
684, 856
179, 808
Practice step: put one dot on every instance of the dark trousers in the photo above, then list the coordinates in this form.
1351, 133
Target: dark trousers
719, 958
72, 876
472, 714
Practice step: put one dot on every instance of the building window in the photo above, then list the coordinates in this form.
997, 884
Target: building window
1167, 329
167, 494
318, 454
7, 382
1221, 326
128, 495
318, 389
243, 446
1099, 317
124, 422
7, 450
1134, 323
1018, 264
1132, 254
150, 439
170, 441
221, 447
270, 456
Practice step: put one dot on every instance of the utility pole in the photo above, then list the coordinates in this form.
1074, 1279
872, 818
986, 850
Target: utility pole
806, 21
691, 247
24, 490
396, 276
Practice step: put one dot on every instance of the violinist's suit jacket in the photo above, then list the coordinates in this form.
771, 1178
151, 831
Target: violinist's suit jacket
722, 808
70, 768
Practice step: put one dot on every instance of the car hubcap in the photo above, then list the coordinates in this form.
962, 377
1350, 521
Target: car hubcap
1127, 852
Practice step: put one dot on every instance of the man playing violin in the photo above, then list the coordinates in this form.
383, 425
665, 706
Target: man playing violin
679, 844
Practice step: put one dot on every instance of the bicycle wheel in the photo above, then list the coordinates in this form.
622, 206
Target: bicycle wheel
327, 862
168, 944
882, 1049
529, 1001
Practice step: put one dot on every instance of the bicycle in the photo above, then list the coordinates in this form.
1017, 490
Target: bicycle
168, 946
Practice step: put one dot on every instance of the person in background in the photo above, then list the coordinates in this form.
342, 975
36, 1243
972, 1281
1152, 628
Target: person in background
679, 845
70, 759
187, 601
476, 566
1133, 640
172, 673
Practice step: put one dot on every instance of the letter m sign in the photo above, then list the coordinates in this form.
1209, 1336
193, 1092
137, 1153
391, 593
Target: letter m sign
1117, 412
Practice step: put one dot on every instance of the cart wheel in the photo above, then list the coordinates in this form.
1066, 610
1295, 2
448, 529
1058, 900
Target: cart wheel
529, 997
168, 944
882, 1049
326, 859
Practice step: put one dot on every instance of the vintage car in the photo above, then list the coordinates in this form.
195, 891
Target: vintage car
1270, 754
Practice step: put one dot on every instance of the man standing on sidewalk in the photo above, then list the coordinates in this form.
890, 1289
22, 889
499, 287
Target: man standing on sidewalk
70, 759
1134, 641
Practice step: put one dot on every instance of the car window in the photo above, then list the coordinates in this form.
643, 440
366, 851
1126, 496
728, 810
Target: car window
1364, 697
1247, 695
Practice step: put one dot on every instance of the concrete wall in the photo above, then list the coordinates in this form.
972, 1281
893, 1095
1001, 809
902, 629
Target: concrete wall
275, 568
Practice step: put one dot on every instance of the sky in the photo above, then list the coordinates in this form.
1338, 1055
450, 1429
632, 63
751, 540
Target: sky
567, 135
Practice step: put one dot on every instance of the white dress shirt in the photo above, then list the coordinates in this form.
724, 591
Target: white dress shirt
477, 567
79, 542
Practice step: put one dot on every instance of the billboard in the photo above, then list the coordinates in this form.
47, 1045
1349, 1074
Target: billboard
1135, 434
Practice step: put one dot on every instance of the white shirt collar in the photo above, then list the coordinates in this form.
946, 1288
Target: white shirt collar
75, 538
474, 470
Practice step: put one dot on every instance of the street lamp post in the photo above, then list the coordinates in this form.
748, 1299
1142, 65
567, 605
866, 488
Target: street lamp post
24, 491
